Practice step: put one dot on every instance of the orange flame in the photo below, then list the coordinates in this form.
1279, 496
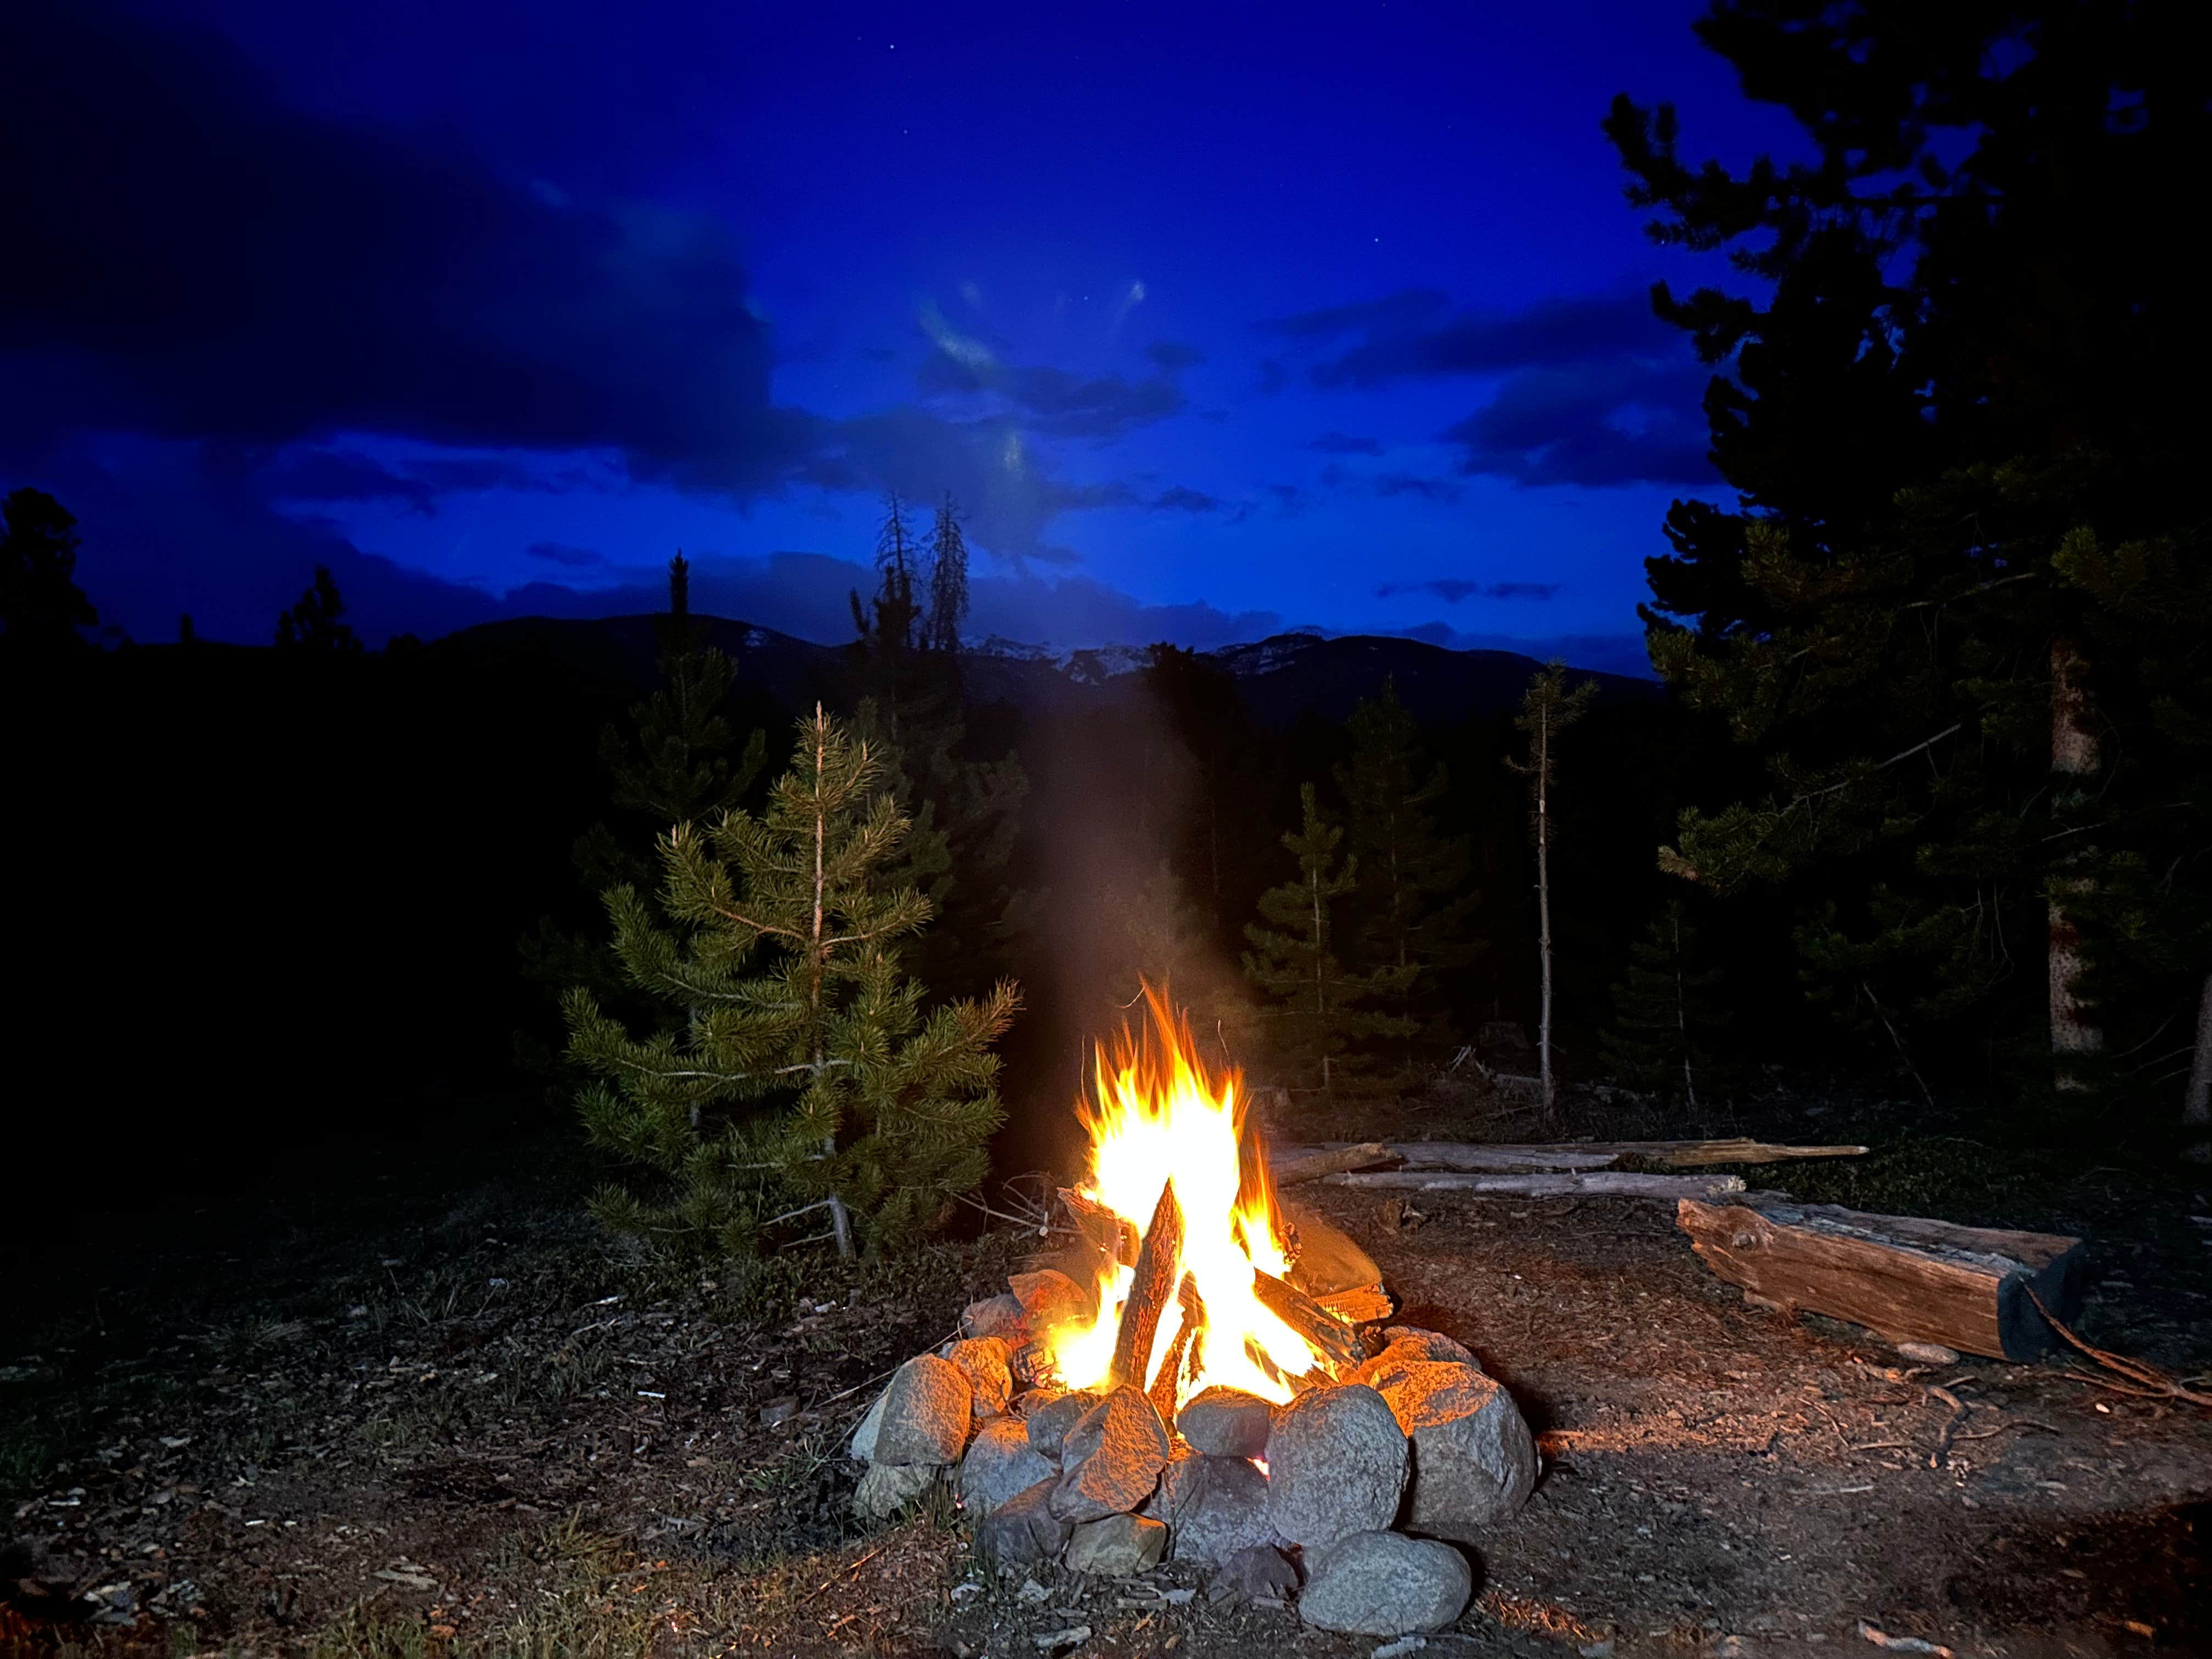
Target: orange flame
1157, 1113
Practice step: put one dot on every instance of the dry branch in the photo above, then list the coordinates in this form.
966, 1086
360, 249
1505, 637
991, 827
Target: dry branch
1907, 1278
1363, 1304
1566, 1183
1153, 1283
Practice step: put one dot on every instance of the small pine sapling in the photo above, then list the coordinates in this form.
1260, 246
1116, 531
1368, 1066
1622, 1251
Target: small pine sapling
1317, 1020
1662, 1005
808, 1080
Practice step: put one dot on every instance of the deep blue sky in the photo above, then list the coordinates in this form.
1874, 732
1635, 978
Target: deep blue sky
1215, 319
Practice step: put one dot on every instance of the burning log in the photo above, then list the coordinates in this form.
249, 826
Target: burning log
1185, 1353
1906, 1278
1337, 1343
1600, 1183
1363, 1304
1109, 1238
1155, 1281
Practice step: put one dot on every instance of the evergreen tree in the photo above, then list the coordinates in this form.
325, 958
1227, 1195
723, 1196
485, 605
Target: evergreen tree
1414, 897
1662, 1007
808, 1070
674, 765
41, 606
1317, 1023
948, 581
313, 623
1548, 708
1970, 382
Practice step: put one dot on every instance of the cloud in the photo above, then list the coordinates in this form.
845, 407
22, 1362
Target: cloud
1173, 356
1453, 590
561, 553
1592, 424
1593, 390
1338, 443
315, 475
1183, 500
1408, 484
213, 264
1055, 401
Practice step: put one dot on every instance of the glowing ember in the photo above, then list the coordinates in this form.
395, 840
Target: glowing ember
1157, 1114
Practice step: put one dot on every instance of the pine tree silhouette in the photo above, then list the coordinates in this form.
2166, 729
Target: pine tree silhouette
313, 623
1317, 1021
1662, 1007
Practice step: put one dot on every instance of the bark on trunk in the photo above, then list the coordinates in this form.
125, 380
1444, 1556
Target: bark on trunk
2196, 1104
2075, 757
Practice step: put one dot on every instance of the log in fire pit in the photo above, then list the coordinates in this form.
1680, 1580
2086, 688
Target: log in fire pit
1203, 1376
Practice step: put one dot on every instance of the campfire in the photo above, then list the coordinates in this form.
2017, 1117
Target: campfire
1191, 1281
1200, 1376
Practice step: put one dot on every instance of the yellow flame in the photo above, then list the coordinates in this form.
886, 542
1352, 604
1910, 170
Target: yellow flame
1157, 1113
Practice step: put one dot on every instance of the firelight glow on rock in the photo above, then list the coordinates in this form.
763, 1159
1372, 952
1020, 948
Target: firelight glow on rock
1157, 1113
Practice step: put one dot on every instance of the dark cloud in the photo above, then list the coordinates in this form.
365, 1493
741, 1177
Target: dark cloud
1183, 500
1339, 443
1408, 484
1453, 590
1595, 390
1053, 401
1397, 338
576, 558
1173, 355
324, 475
211, 263
1592, 424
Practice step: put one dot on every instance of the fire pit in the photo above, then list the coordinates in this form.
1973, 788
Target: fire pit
1201, 1376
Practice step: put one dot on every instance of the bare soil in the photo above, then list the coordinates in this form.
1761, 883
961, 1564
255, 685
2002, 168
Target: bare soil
456, 1423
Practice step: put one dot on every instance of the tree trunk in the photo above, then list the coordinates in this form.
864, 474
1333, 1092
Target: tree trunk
841, 1219
2196, 1104
1544, 920
2074, 757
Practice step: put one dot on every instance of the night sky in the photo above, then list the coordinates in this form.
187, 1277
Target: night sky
1216, 320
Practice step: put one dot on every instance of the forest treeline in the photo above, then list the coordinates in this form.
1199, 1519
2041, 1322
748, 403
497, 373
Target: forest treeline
1923, 801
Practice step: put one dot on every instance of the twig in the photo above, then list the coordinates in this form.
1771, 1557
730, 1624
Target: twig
850, 1570
2156, 1384
1942, 1455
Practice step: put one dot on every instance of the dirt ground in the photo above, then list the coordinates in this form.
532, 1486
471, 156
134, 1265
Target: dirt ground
467, 1428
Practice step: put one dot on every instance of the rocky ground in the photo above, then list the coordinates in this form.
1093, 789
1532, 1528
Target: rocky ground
452, 1421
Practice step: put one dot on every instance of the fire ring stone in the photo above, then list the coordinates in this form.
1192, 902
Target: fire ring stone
1336, 1465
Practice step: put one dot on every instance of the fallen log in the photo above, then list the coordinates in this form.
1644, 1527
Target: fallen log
1152, 1282
1363, 1304
1905, 1277
1565, 1155
1564, 1183
1299, 1163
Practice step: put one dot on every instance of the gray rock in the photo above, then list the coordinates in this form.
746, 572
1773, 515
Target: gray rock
1336, 1464
1116, 1547
926, 1413
1050, 1298
864, 1437
1928, 1353
1384, 1584
887, 1488
1474, 1461
1023, 1530
1433, 1344
1000, 1464
1261, 1569
1112, 1459
998, 1316
1226, 1422
1218, 1506
1174, 1487
982, 1360
1049, 1420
